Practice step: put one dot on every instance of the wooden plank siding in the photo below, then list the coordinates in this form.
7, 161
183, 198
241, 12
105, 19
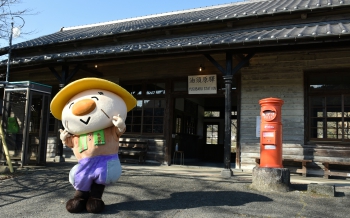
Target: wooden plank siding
281, 76
156, 151
156, 147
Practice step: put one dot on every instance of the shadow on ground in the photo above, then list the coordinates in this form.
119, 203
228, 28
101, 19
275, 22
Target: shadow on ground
184, 200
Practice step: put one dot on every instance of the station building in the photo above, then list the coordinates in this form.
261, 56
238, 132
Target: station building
189, 69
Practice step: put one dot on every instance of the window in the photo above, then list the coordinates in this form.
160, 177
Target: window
178, 125
190, 125
233, 135
330, 117
217, 113
155, 89
149, 89
135, 90
329, 107
190, 121
212, 134
211, 113
148, 115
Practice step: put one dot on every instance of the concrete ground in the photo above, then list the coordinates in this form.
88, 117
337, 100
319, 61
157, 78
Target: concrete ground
170, 191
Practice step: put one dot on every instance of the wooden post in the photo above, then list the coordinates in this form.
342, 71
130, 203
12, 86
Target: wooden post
169, 120
59, 146
228, 110
227, 140
227, 76
227, 172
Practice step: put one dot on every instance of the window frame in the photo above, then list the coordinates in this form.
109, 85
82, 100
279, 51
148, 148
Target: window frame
144, 96
325, 93
218, 132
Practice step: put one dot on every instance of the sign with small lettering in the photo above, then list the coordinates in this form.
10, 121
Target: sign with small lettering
257, 129
202, 84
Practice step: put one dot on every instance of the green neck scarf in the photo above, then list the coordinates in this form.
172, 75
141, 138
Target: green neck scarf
99, 139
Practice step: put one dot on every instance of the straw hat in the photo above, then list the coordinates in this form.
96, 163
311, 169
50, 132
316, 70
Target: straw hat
73, 88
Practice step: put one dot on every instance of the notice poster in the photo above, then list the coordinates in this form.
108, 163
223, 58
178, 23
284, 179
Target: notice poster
257, 129
202, 84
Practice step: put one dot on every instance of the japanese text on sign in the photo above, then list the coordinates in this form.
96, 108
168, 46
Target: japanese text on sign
202, 84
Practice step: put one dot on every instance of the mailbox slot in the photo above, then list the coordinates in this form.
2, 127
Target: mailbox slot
269, 113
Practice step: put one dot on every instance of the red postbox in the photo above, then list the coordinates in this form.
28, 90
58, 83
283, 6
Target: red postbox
271, 133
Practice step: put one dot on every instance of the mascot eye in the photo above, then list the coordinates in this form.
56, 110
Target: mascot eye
70, 105
95, 97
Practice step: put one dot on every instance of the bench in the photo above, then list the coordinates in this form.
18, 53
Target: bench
328, 172
302, 170
129, 149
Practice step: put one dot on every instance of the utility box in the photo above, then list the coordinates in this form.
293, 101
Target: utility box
25, 121
271, 133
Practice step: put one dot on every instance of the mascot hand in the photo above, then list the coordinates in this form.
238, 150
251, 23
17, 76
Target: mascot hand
64, 135
119, 123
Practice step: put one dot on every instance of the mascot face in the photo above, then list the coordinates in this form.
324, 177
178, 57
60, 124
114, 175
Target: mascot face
92, 110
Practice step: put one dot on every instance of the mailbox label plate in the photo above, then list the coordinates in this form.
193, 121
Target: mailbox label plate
268, 137
270, 147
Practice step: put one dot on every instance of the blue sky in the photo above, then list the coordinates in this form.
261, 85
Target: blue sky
54, 14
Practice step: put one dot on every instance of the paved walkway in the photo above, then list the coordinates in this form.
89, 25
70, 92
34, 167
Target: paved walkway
169, 191
215, 172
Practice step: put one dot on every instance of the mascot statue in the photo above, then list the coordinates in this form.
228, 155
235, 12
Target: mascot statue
93, 112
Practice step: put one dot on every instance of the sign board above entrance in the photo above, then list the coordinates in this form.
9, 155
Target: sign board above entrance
202, 84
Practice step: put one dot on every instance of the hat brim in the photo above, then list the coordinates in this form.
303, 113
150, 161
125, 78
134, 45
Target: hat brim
73, 88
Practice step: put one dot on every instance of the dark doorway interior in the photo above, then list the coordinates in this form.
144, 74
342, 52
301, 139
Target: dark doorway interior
199, 130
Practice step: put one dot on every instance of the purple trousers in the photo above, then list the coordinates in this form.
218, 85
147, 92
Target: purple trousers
104, 170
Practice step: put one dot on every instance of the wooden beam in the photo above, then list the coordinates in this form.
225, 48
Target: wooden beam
64, 75
216, 64
242, 63
75, 71
93, 71
229, 70
55, 73
239, 57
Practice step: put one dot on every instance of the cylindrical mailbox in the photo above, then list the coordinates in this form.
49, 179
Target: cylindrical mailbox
271, 133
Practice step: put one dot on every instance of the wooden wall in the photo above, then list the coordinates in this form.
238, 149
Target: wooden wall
156, 151
259, 83
281, 76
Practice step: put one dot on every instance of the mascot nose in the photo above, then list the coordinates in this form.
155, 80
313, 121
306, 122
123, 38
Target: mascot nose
83, 107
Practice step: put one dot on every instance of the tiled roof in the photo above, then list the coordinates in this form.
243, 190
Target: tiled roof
236, 10
335, 30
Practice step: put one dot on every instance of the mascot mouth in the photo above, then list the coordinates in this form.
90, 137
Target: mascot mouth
85, 122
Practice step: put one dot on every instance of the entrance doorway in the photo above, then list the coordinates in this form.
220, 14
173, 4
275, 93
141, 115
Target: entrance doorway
199, 130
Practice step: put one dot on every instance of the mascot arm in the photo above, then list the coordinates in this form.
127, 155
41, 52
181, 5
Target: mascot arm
119, 133
119, 123
64, 136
